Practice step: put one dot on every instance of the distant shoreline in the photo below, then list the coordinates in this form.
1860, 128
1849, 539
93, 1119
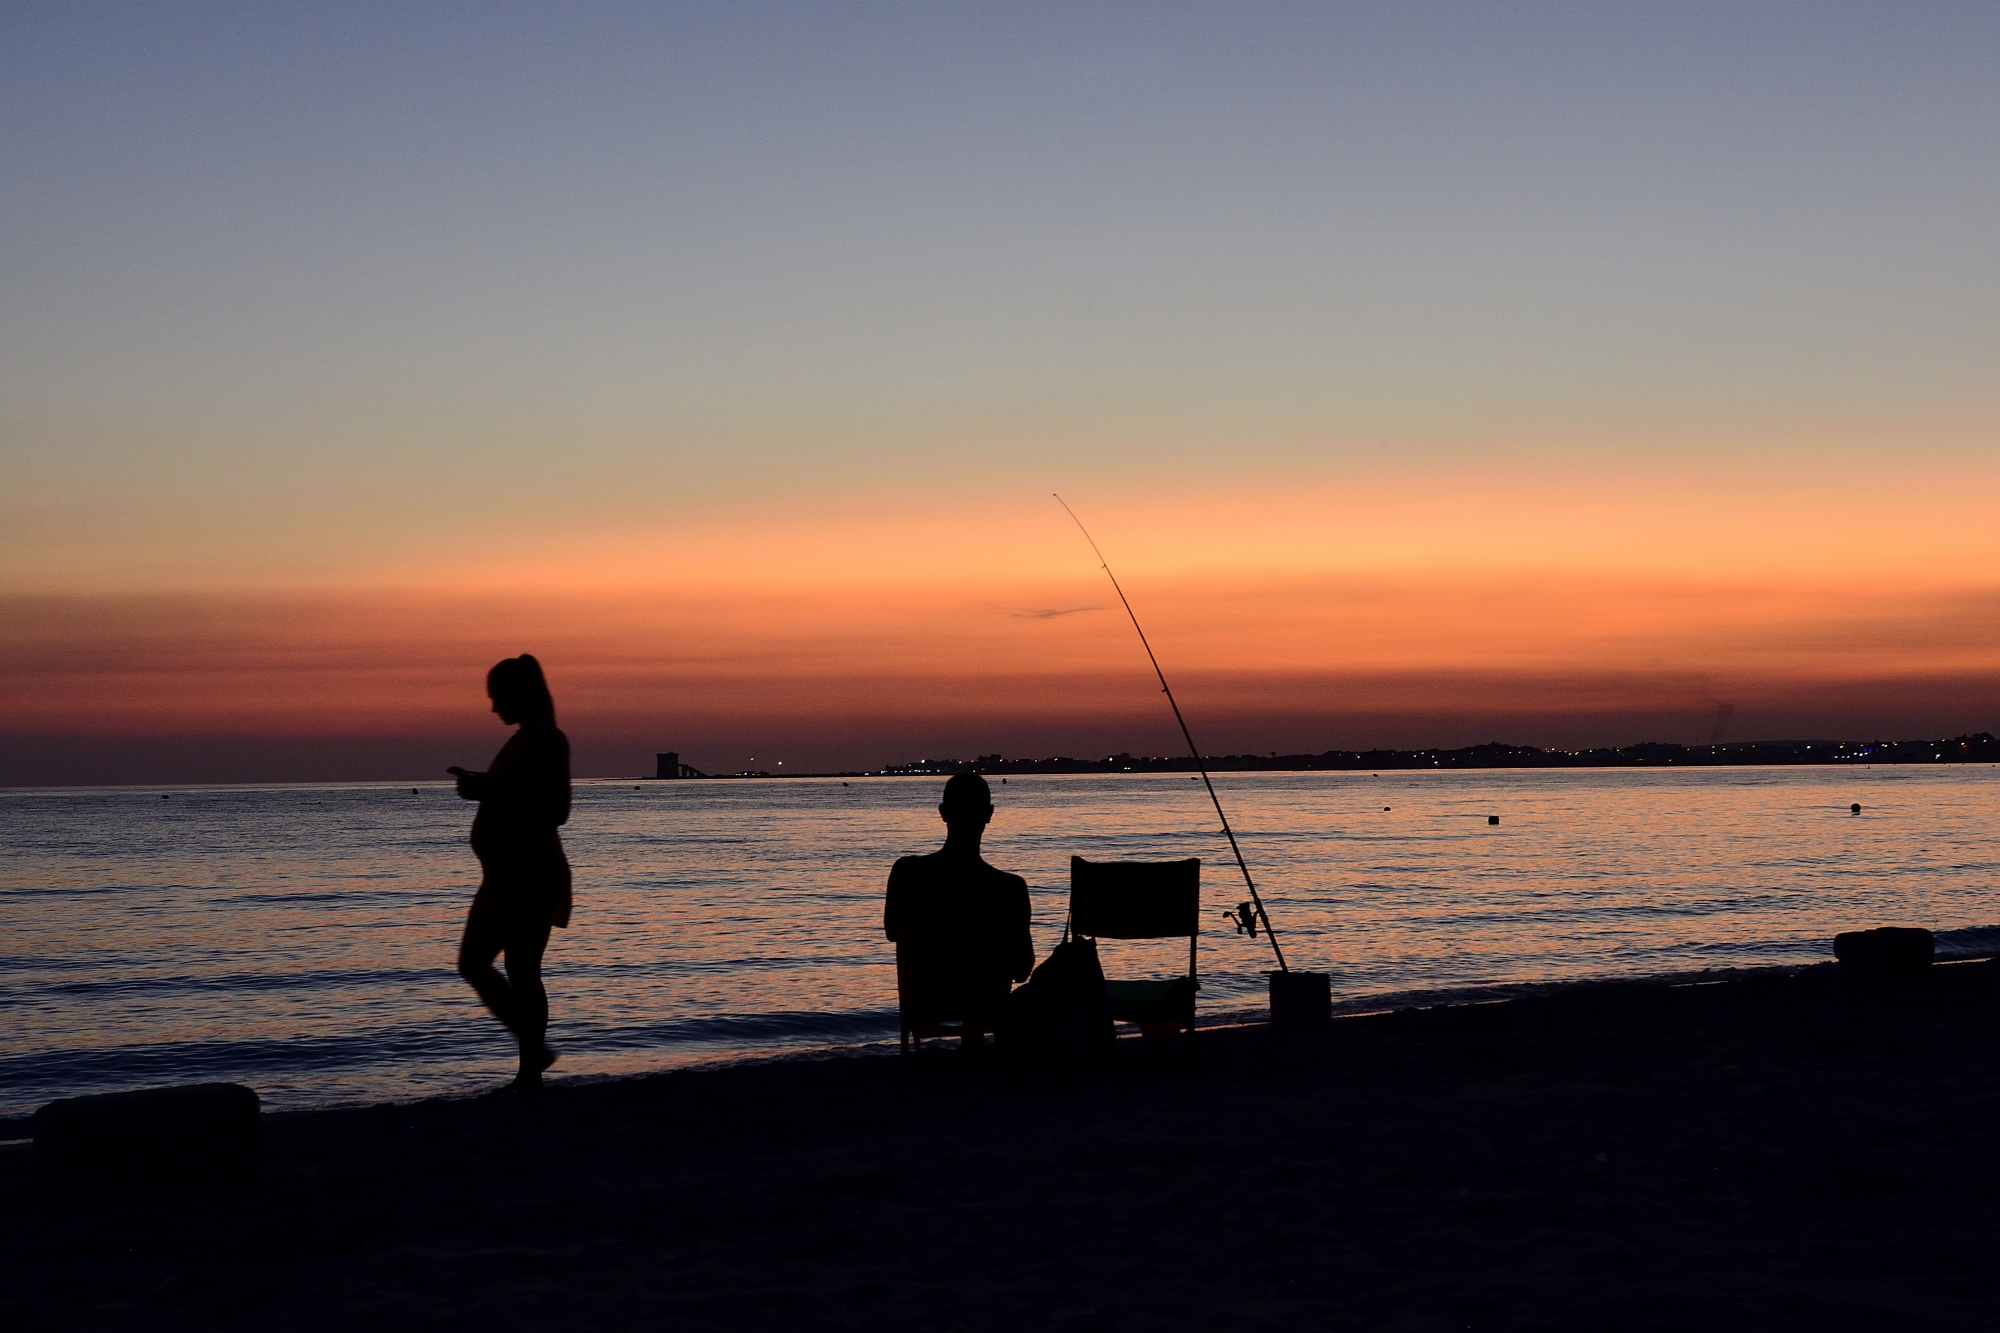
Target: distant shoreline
1977, 748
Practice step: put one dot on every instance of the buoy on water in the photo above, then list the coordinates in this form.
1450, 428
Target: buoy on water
1492, 819
1854, 809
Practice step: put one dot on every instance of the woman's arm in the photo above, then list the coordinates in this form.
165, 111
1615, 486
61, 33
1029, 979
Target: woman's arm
529, 779
472, 786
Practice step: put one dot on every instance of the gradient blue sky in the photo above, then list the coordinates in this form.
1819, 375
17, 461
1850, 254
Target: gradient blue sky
330, 298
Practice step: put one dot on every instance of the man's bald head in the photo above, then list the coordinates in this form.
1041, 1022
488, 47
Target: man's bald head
967, 801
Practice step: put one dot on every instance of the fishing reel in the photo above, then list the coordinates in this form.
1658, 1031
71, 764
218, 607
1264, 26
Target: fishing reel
1244, 918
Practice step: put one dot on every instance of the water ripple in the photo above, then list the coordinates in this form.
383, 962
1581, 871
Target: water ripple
301, 938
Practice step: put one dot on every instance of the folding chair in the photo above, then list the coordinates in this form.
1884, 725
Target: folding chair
927, 1008
1142, 900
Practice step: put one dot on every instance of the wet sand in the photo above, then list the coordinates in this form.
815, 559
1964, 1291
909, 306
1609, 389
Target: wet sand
1783, 1151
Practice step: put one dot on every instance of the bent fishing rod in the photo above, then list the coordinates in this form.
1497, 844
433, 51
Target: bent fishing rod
1256, 900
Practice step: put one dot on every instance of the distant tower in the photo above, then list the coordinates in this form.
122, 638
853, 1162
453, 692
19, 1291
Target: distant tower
667, 765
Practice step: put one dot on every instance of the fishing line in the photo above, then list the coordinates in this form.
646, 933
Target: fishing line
1193, 749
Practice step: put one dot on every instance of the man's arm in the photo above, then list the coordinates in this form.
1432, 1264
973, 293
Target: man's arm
892, 902
1021, 936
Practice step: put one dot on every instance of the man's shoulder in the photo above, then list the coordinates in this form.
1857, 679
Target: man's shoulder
995, 883
910, 870
937, 867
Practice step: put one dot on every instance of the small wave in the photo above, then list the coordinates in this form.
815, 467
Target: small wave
1969, 942
832, 1028
314, 982
1500, 991
26, 1081
212, 919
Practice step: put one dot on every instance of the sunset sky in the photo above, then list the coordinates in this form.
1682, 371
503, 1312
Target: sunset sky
1431, 374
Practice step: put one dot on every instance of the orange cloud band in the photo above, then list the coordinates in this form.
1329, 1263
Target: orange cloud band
379, 663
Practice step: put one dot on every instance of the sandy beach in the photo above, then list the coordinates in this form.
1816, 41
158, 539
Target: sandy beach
1801, 1150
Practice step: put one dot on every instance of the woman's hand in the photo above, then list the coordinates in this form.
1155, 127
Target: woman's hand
469, 782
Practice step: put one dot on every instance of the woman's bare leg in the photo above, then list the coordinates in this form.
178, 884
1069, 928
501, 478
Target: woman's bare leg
530, 1001
481, 944
519, 999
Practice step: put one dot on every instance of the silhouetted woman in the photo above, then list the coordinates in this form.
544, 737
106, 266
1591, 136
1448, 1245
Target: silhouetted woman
524, 882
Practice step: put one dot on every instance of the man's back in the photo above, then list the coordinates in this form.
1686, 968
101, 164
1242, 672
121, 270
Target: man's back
963, 925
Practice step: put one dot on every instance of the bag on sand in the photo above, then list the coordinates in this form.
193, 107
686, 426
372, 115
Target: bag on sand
1059, 1018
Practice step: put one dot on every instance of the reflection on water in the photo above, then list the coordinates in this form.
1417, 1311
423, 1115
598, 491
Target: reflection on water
300, 939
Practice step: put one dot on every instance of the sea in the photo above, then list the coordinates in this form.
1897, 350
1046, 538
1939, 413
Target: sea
300, 939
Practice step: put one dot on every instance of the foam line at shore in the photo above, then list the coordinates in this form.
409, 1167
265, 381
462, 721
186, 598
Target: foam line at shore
808, 1035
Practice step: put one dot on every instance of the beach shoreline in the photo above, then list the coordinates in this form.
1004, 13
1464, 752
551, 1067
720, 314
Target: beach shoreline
726, 920
1805, 1149
1954, 948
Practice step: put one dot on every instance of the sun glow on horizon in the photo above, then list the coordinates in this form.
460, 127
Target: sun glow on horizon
1418, 376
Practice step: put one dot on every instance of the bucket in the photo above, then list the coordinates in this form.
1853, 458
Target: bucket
1301, 1001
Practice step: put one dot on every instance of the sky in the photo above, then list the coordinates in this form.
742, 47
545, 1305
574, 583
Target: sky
1429, 374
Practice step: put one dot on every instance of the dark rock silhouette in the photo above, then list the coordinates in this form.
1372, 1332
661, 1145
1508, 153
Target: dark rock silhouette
201, 1134
1889, 951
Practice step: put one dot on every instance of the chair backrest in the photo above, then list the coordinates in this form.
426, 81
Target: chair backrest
1135, 900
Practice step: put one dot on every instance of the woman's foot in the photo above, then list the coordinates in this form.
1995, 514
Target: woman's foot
529, 1079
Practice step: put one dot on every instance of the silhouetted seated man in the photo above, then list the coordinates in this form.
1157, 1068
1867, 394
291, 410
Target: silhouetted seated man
961, 926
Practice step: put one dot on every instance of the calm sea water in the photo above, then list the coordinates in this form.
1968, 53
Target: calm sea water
300, 939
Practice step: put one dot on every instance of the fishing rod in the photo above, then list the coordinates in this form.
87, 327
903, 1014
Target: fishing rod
1194, 750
